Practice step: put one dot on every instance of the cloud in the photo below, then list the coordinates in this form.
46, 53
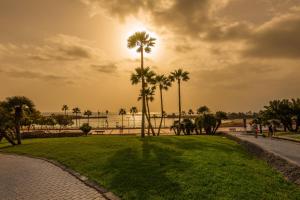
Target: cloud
278, 38
24, 74
63, 48
106, 68
190, 17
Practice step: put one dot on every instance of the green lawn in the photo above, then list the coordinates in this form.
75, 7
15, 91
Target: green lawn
169, 167
291, 135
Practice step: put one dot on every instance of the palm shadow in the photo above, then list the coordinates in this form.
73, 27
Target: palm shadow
144, 173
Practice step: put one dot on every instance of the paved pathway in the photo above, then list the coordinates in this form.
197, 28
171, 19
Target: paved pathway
34, 179
286, 149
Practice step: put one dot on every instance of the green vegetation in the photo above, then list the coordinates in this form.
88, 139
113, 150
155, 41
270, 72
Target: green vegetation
85, 128
195, 167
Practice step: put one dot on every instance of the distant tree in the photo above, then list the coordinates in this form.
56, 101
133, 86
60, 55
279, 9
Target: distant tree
65, 108
203, 110
63, 121
179, 76
143, 42
85, 128
76, 111
191, 112
88, 113
133, 111
122, 112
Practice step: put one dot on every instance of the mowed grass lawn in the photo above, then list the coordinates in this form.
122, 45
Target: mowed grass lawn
166, 167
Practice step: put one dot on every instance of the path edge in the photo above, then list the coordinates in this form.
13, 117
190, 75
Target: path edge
288, 168
90, 183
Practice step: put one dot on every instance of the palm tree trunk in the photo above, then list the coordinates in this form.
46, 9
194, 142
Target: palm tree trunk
18, 123
76, 119
143, 94
179, 107
162, 110
149, 119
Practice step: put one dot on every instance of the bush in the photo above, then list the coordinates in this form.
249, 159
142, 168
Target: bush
85, 128
43, 134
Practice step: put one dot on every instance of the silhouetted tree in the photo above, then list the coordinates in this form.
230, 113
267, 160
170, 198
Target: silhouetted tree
179, 76
143, 42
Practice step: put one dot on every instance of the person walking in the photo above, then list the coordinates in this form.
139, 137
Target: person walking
270, 130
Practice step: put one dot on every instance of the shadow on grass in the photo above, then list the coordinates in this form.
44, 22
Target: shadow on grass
145, 173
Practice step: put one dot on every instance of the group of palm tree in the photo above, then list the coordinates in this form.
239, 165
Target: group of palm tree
150, 80
285, 112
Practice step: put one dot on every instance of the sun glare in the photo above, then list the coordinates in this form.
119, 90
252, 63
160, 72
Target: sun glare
133, 26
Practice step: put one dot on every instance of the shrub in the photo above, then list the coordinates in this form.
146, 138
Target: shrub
85, 128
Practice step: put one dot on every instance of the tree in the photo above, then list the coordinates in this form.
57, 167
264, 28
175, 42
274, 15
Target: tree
63, 120
18, 105
220, 115
149, 76
149, 96
122, 112
191, 112
88, 113
295, 105
203, 110
163, 83
76, 111
179, 76
133, 111
6, 124
85, 128
65, 108
143, 42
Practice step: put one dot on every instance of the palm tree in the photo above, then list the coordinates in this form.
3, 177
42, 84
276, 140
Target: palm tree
122, 112
163, 83
133, 111
106, 112
220, 115
143, 42
149, 96
149, 77
65, 108
76, 111
88, 113
18, 105
179, 76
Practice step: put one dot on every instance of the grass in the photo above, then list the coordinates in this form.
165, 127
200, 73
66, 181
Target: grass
167, 167
291, 135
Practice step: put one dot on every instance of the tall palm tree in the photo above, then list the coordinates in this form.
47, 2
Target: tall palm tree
65, 108
143, 42
88, 113
122, 112
18, 105
133, 111
76, 111
179, 76
163, 83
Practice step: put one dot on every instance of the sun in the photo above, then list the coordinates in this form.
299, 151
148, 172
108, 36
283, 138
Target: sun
132, 26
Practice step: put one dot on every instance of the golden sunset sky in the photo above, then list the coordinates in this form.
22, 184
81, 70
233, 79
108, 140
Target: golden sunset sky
240, 53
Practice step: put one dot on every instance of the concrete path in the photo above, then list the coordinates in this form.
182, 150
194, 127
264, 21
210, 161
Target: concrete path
286, 149
34, 179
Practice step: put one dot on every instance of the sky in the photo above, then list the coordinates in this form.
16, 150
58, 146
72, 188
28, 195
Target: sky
240, 53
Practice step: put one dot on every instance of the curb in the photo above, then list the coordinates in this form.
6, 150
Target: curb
107, 195
289, 169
